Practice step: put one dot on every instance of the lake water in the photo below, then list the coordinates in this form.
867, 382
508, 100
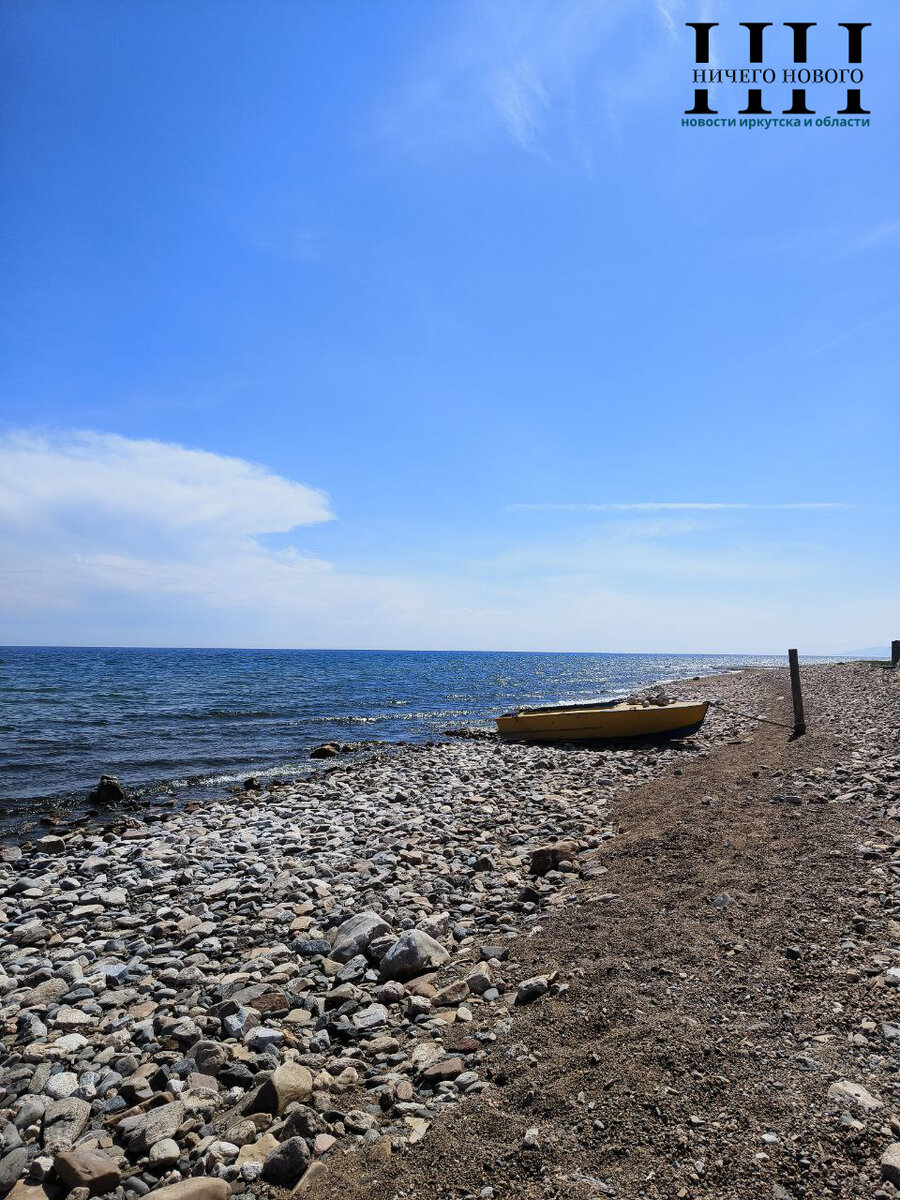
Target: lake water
205, 719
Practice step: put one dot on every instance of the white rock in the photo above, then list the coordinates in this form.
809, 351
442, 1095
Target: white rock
846, 1092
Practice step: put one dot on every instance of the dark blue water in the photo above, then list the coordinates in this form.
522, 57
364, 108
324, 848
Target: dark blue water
204, 719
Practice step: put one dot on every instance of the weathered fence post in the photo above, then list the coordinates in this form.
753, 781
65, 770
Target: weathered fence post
796, 694
895, 652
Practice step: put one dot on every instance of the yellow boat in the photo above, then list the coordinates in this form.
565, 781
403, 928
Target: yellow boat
611, 719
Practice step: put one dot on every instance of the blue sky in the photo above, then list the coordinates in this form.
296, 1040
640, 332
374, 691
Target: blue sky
428, 325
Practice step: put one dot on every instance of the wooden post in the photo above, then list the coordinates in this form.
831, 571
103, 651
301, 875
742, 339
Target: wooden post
895, 652
796, 694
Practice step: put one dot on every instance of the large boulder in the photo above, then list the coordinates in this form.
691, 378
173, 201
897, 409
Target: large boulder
411, 954
287, 1083
354, 935
88, 1168
107, 792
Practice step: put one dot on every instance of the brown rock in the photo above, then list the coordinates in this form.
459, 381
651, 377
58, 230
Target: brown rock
198, 1082
88, 1168
257, 1151
421, 987
46, 994
466, 1045
51, 844
271, 1002
326, 750
453, 993
202, 1187
547, 858
315, 1171
242, 1133
380, 1150
146, 1008
445, 1068
26, 1191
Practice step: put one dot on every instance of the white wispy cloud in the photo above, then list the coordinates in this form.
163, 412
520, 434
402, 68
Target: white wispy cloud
522, 101
664, 505
666, 12
535, 71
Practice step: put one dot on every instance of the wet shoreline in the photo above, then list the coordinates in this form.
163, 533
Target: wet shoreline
179, 722
24, 816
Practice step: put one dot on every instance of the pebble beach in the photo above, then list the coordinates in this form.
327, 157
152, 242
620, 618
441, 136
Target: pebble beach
275, 989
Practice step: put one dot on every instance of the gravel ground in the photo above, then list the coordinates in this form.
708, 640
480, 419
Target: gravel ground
646, 971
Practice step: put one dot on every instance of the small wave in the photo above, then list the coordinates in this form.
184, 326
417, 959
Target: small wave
242, 712
348, 720
257, 773
438, 714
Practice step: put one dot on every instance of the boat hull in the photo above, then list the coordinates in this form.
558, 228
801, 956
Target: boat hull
602, 723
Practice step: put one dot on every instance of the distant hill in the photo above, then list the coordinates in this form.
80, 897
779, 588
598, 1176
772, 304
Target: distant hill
870, 652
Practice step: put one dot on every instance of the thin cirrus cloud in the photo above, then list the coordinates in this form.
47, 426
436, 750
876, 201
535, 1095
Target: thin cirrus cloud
666, 505
526, 70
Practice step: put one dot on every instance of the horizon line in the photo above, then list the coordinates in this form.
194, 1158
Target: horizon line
430, 650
